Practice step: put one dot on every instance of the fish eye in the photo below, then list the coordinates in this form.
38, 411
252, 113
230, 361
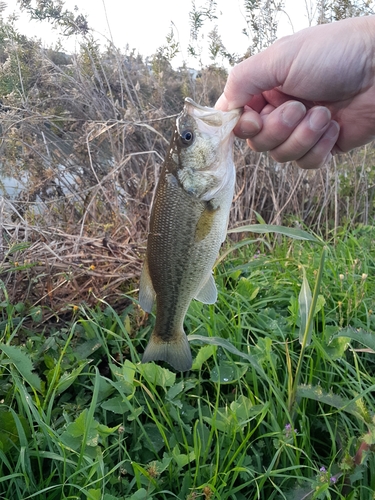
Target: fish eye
187, 137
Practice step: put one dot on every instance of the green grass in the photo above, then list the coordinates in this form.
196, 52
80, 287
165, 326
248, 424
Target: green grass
279, 403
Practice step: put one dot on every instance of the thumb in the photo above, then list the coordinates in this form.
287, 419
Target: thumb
258, 73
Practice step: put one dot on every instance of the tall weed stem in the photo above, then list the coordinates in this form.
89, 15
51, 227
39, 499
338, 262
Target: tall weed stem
305, 338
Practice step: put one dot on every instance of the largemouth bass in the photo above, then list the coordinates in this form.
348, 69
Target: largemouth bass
188, 224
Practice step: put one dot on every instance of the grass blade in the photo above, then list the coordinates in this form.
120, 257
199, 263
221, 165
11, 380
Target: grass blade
361, 336
229, 347
23, 364
304, 301
297, 234
354, 407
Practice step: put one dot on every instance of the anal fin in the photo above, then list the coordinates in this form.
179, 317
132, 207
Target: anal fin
208, 292
146, 290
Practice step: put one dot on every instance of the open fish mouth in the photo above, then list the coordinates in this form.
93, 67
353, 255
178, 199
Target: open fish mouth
209, 119
196, 105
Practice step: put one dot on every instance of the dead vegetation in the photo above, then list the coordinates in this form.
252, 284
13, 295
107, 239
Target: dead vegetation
82, 141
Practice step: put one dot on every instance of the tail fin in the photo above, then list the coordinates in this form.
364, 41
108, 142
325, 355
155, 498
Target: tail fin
176, 352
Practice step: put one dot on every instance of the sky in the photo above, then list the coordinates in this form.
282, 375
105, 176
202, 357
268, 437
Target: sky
144, 24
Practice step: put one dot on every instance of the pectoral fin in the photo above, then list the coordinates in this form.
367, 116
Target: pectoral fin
205, 222
208, 293
146, 290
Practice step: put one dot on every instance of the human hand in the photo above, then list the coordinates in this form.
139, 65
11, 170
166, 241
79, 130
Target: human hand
309, 95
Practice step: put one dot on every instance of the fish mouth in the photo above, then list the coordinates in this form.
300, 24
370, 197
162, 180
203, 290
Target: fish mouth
196, 105
207, 109
205, 116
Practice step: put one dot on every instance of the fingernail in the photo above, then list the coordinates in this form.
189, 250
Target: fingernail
293, 113
247, 127
333, 130
319, 118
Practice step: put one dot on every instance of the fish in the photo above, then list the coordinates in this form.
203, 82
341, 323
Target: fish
188, 223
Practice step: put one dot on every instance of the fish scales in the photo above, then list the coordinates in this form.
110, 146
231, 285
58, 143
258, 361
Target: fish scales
188, 224
192, 259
